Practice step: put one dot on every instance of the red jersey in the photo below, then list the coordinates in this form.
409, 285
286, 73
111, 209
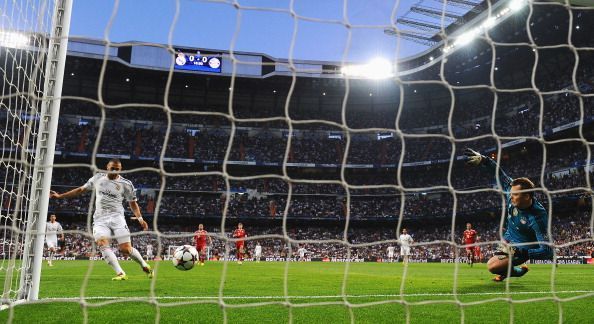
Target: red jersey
239, 233
200, 237
470, 236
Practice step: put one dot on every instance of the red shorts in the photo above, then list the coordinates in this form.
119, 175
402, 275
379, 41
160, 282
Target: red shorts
239, 245
200, 247
470, 248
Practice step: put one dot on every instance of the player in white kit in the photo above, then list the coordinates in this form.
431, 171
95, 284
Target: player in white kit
111, 190
391, 253
302, 251
149, 252
258, 252
405, 242
52, 228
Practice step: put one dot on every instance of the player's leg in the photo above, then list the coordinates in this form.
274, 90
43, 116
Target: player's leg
52, 253
499, 265
469, 255
122, 235
202, 254
51, 250
101, 234
239, 248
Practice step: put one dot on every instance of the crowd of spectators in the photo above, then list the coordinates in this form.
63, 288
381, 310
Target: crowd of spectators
571, 235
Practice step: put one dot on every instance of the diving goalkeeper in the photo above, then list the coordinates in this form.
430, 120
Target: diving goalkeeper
526, 223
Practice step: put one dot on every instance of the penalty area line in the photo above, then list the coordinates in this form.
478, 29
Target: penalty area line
503, 293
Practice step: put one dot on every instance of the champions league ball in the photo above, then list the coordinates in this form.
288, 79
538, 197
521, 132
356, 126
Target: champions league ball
184, 257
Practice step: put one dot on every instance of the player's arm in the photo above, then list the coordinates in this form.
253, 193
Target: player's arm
477, 159
137, 214
209, 240
61, 231
544, 251
69, 194
130, 195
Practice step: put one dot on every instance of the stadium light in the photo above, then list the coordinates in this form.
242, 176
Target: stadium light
489, 23
469, 36
378, 68
466, 37
13, 39
516, 5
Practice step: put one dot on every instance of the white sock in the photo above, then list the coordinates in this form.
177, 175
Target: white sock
111, 259
51, 256
135, 255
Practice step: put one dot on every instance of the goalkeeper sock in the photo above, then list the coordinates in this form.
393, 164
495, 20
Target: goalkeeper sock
135, 255
51, 256
111, 259
517, 272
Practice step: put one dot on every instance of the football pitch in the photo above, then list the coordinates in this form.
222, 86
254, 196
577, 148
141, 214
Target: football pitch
313, 292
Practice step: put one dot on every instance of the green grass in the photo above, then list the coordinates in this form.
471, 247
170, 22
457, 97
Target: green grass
429, 294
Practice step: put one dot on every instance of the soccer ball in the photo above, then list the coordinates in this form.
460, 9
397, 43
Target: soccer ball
184, 257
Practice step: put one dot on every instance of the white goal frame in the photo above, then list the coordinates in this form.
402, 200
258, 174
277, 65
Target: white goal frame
32, 257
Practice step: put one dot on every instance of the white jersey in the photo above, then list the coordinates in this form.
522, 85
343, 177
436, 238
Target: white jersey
110, 194
52, 230
302, 252
258, 250
149, 250
405, 240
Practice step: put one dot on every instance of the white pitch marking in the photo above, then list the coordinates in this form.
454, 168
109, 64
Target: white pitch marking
328, 296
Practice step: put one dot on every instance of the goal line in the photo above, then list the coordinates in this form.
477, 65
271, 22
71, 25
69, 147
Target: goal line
497, 293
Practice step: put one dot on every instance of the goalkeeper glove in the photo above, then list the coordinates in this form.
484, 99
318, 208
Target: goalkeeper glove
473, 157
511, 251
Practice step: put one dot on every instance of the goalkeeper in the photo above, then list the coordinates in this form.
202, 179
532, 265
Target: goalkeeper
526, 223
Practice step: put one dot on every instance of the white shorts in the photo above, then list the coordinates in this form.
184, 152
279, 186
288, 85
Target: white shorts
405, 250
111, 227
391, 255
257, 255
51, 243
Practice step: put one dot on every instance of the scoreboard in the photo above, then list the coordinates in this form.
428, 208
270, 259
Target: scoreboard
197, 61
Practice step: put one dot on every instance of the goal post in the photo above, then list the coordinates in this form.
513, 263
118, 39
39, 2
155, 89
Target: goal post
50, 52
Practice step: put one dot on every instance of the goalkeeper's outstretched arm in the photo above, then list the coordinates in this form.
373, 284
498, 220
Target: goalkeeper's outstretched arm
475, 158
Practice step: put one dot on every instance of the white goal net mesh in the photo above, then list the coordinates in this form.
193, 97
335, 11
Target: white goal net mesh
24, 27
314, 171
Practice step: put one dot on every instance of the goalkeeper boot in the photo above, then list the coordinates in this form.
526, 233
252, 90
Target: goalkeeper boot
499, 278
120, 277
149, 271
524, 270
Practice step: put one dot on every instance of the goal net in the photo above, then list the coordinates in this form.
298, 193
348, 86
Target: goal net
321, 159
29, 71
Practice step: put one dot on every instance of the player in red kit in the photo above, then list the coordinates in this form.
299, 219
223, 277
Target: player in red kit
200, 239
469, 238
239, 232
